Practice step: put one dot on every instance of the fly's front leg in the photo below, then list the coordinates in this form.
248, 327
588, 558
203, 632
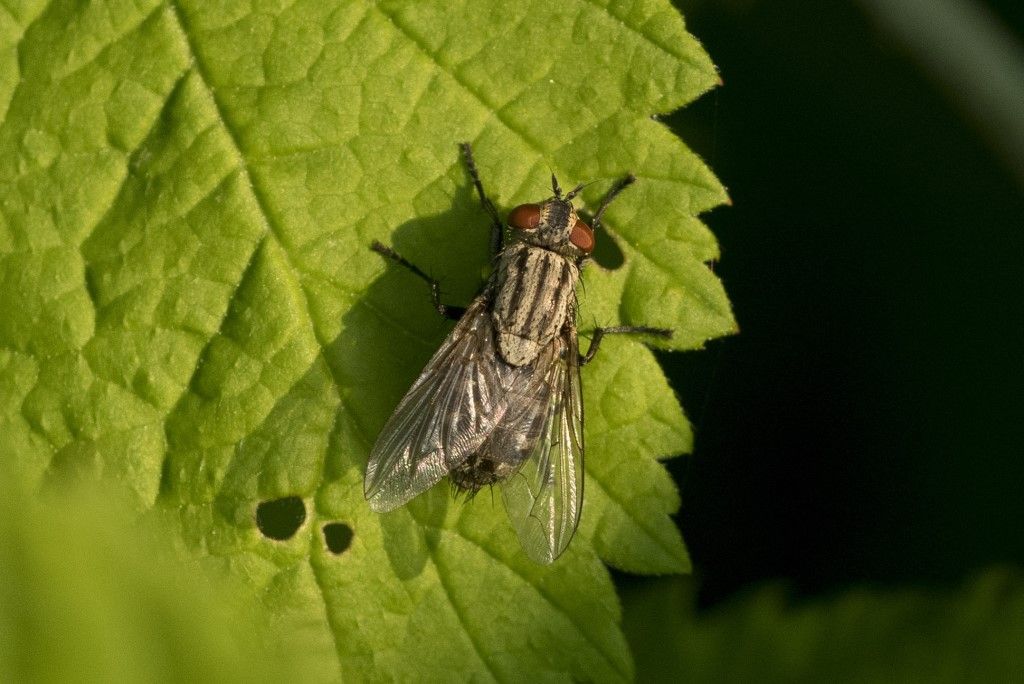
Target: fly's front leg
497, 225
612, 193
452, 312
599, 333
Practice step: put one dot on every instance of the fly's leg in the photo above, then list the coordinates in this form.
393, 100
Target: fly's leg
452, 312
612, 193
497, 238
599, 333
497, 226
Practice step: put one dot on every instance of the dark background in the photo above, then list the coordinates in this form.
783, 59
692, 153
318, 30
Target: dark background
864, 428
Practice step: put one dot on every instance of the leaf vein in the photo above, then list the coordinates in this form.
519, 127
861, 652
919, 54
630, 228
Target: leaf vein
480, 651
319, 582
540, 592
639, 522
209, 341
605, 9
273, 230
20, 57
478, 96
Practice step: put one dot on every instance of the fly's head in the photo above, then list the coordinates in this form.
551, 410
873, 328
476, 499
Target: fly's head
554, 225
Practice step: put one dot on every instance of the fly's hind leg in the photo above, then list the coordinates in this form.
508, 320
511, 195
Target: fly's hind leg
497, 225
599, 333
452, 312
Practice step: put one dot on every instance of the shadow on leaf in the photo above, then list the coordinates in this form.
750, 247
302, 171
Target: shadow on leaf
388, 335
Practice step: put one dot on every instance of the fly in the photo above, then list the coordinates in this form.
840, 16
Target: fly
500, 403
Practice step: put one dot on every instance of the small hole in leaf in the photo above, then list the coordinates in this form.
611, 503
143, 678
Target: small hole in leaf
281, 518
606, 252
338, 536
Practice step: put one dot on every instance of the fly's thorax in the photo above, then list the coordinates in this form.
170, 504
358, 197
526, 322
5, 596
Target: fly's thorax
534, 293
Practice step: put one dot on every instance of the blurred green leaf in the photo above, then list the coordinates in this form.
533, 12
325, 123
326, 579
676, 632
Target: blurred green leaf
188, 305
970, 635
89, 597
975, 59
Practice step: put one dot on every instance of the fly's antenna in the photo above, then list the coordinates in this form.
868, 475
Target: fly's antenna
555, 187
575, 191
612, 193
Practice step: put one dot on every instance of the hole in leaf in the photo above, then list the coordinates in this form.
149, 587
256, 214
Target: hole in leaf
606, 252
338, 536
281, 518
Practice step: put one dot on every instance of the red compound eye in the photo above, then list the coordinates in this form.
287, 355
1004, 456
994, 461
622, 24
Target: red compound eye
525, 217
582, 236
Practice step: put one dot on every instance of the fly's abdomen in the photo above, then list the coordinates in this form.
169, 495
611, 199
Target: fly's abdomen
533, 296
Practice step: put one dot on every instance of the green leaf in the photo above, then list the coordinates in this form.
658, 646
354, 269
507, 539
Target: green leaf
88, 597
188, 305
972, 633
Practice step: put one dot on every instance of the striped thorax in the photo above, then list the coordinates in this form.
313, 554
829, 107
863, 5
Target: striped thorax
534, 294
533, 288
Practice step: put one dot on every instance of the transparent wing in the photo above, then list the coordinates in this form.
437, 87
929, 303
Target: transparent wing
545, 496
444, 417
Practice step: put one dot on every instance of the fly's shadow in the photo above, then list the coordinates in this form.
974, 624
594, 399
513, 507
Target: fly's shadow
388, 335
607, 254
